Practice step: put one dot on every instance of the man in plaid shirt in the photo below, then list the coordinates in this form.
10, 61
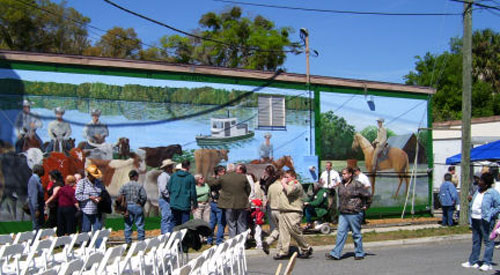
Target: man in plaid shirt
88, 193
136, 197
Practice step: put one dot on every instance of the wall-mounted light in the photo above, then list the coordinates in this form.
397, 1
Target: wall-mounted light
369, 99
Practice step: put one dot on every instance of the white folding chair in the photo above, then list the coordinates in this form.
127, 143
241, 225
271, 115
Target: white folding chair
7, 253
133, 261
92, 262
48, 272
70, 268
196, 264
25, 237
6, 239
184, 270
45, 232
110, 264
56, 259
103, 235
37, 257
79, 239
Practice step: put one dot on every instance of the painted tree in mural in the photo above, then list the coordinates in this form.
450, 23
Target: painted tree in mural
252, 43
336, 138
42, 26
370, 133
444, 72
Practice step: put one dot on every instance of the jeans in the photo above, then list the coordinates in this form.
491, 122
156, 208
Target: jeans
217, 217
180, 216
135, 215
349, 222
37, 223
481, 230
94, 222
167, 224
236, 221
309, 212
448, 215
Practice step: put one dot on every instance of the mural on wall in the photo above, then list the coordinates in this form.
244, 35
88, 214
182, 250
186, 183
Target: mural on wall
356, 128
66, 121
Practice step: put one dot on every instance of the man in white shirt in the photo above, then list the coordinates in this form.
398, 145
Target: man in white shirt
330, 179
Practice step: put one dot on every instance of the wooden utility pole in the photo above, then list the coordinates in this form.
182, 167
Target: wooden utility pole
305, 36
465, 179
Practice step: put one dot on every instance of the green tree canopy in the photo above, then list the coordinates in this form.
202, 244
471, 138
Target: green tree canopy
42, 26
444, 72
336, 138
252, 43
117, 42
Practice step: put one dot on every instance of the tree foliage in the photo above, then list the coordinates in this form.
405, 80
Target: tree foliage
336, 138
240, 36
444, 72
42, 26
370, 133
118, 43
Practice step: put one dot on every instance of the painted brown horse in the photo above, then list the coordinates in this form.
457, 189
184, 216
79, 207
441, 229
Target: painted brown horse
397, 159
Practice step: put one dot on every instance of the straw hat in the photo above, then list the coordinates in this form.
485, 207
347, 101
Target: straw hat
59, 110
94, 171
95, 112
267, 135
178, 167
380, 119
27, 103
167, 162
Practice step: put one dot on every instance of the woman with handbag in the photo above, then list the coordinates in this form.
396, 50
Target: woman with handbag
56, 182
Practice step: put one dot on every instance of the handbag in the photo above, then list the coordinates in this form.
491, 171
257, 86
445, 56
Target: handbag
121, 205
104, 206
26, 208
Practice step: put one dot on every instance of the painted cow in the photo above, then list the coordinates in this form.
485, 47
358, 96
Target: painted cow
155, 155
207, 159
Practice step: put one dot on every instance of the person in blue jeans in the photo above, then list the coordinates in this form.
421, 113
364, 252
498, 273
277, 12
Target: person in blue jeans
88, 194
448, 197
182, 190
136, 197
167, 223
353, 199
485, 206
217, 216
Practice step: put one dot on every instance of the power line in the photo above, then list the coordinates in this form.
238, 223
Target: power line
229, 45
478, 4
336, 11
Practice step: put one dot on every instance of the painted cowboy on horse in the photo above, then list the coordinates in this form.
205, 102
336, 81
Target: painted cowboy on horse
26, 125
95, 132
59, 133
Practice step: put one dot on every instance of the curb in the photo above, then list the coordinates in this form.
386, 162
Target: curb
389, 243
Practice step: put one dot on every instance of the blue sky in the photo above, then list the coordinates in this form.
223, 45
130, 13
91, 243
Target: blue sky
380, 48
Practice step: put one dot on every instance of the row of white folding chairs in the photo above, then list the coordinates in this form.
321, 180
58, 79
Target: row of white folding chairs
27, 256
226, 258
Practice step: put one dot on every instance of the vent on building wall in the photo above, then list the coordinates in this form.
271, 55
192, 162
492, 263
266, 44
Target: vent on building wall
271, 113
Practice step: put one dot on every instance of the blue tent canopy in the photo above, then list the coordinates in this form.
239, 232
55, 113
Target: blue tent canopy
490, 151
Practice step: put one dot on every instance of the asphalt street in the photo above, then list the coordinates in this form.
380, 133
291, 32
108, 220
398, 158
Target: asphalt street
442, 258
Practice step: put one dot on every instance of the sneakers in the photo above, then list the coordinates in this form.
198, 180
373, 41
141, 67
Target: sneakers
468, 265
486, 267
306, 254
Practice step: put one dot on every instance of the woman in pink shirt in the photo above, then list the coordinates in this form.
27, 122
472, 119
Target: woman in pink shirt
67, 207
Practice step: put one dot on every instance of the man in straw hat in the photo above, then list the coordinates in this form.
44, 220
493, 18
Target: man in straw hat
379, 143
59, 133
266, 149
167, 224
26, 125
95, 132
88, 193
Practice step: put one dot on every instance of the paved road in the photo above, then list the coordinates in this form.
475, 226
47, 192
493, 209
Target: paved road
435, 258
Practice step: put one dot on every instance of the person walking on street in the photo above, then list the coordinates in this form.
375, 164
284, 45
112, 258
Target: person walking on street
448, 197
35, 197
290, 206
167, 224
88, 193
182, 189
484, 211
217, 216
234, 193
202, 193
136, 197
273, 194
353, 198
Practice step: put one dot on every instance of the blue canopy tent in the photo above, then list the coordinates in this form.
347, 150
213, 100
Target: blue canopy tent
490, 151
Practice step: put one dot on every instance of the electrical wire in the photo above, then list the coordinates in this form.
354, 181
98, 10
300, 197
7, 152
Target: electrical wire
478, 4
229, 45
336, 11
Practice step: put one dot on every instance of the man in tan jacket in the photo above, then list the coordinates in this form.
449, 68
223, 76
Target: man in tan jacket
273, 195
290, 206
